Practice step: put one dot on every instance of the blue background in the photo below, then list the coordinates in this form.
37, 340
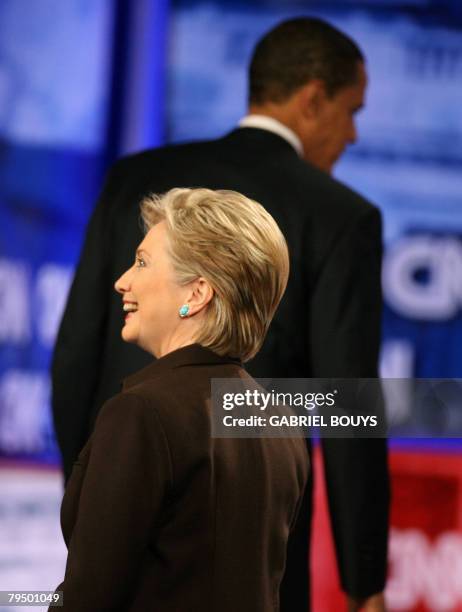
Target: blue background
84, 81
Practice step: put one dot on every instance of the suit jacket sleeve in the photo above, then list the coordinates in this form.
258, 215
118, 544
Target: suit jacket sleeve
127, 479
345, 328
78, 351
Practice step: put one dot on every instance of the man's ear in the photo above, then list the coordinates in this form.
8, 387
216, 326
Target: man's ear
311, 98
199, 295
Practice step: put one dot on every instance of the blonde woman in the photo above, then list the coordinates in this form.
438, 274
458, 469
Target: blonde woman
157, 514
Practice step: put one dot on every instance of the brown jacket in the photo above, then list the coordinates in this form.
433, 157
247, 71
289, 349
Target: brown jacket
158, 515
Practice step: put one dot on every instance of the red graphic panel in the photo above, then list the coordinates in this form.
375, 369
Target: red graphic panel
425, 550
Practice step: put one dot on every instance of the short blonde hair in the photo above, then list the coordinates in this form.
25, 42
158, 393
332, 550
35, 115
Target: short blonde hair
236, 245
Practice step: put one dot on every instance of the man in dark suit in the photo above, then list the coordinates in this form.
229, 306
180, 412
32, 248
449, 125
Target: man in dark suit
307, 80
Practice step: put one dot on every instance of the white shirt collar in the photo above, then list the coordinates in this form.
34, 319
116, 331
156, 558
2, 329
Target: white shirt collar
270, 124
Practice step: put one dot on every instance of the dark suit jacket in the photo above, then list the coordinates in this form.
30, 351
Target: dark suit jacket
158, 515
328, 323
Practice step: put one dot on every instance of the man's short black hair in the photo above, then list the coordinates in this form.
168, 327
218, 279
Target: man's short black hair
297, 51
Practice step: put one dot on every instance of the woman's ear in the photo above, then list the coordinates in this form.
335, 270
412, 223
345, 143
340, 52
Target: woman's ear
199, 296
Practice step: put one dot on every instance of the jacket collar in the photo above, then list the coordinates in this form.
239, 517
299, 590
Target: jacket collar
262, 142
193, 354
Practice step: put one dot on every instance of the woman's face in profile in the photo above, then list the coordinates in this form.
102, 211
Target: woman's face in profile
151, 296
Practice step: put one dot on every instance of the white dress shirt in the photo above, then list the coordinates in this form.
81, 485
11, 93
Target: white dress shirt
270, 124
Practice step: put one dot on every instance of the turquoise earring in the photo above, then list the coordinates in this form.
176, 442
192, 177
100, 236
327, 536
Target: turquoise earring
184, 310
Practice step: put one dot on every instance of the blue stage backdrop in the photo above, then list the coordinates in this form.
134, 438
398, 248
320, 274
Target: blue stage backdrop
54, 67
81, 82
